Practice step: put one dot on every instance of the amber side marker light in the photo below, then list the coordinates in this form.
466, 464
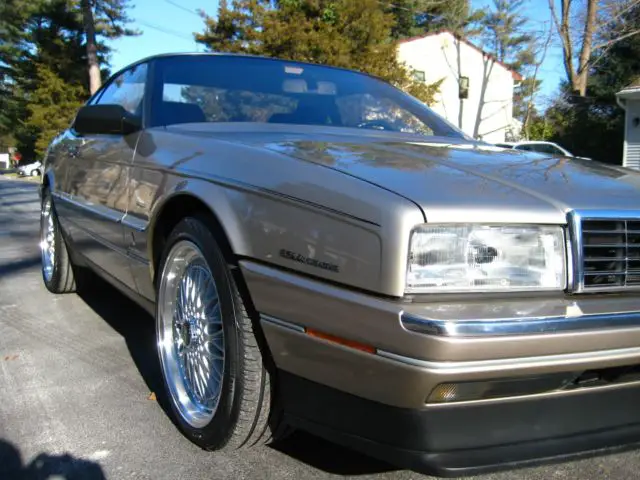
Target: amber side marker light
340, 341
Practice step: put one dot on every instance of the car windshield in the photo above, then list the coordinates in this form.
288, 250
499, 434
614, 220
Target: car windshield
220, 88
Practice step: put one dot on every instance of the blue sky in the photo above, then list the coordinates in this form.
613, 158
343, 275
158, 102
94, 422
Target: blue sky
168, 25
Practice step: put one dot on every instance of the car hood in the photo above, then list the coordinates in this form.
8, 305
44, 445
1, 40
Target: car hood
474, 182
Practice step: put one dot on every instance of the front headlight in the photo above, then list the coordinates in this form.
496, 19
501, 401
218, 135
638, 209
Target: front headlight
462, 258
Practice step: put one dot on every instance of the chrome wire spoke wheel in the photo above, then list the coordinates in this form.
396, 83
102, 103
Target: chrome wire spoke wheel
47, 239
190, 334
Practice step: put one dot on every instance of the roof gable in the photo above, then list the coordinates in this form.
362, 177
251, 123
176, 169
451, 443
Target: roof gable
633, 85
514, 73
631, 91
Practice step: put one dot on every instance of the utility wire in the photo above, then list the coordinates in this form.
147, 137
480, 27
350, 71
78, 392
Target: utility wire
166, 30
183, 8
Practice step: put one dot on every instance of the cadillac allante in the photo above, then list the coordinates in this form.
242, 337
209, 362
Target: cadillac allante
321, 251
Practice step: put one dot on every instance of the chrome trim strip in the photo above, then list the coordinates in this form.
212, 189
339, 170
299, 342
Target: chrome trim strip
518, 326
574, 221
282, 323
134, 223
134, 255
99, 210
473, 366
103, 241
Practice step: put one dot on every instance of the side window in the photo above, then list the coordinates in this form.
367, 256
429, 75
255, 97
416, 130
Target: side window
526, 147
555, 150
548, 149
127, 89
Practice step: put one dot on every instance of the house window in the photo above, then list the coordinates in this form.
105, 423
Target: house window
418, 75
463, 87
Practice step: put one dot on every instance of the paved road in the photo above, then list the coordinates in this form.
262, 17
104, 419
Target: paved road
76, 375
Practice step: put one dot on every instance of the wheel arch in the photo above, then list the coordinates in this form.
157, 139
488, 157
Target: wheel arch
217, 213
226, 227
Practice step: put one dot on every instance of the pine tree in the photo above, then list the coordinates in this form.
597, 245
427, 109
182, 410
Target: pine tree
505, 32
52, 106
506, 35
32, 33
101, 19
47, 37
341, 33
416, 17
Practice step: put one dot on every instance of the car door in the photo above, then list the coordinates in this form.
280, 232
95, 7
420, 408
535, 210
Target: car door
96, 183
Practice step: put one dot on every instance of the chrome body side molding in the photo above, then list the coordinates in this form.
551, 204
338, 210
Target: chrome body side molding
518, 326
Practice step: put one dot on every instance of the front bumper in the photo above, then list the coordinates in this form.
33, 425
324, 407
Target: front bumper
414, 347
470, 439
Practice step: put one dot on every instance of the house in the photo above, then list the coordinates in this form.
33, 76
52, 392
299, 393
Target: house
4, 161
629, 99
476, 93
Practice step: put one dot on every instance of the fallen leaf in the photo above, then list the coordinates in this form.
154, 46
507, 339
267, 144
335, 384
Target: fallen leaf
152, 396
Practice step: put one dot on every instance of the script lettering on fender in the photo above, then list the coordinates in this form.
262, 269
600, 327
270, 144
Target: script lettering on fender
312, 262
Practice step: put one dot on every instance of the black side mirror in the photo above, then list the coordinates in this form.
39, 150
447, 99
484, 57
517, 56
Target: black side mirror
107, 119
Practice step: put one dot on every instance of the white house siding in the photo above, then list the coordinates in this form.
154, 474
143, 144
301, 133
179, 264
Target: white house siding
631, 157
443, 56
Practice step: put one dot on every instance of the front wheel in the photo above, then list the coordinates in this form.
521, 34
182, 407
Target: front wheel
212, 366
57, 270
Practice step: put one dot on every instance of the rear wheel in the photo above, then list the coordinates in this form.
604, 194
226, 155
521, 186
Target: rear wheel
57, 270
213, 369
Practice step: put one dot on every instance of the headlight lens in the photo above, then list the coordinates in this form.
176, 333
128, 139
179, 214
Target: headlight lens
486, 258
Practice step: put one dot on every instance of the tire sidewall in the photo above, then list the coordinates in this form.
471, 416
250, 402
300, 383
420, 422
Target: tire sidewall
218, 431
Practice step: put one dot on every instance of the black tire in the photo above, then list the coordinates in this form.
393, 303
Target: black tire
62, 278
243, 414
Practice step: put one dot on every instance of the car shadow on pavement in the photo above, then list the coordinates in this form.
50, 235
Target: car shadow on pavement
135, 325
330, 457
11, 203
45, 466
138, 330
15, 268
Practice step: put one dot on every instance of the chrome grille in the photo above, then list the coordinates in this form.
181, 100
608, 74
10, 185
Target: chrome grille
610, 253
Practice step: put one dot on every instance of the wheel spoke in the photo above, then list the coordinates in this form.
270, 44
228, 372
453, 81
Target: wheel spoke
47, 239
194, 363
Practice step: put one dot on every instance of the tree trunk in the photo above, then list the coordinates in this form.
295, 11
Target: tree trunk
488, 64
459, 74
578, 76
92, 48
580, 82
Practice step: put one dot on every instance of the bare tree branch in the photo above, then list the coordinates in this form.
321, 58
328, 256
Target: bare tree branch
532, 90
608, 43
563, 26
599, 17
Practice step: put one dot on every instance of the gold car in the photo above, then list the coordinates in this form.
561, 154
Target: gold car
323, 252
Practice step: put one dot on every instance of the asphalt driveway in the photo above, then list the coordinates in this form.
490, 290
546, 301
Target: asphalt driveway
78, 376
